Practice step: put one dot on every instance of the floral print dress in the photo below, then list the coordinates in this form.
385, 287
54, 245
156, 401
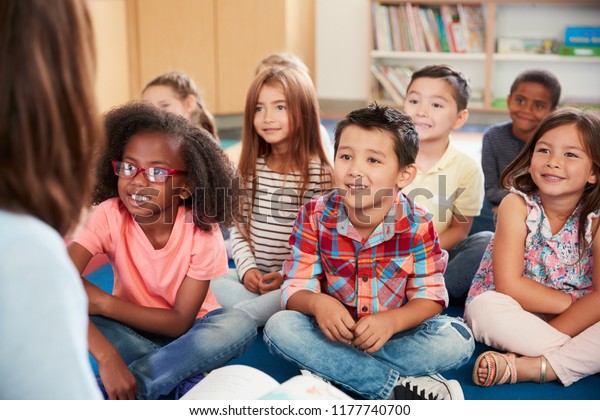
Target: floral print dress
552, 260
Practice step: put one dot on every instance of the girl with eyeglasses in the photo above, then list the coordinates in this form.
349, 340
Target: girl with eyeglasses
163, 188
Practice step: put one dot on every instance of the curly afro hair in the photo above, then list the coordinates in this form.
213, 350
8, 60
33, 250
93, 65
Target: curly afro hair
212, 178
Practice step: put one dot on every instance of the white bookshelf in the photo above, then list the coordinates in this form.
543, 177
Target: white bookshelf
493, 73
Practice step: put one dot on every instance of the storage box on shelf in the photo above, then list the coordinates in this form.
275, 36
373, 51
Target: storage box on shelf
479, 38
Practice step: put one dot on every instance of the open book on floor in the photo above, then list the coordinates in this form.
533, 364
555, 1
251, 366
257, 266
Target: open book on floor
240, 382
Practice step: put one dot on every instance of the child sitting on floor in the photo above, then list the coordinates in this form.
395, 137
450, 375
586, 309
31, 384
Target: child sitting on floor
283, 166
364, 284
163, 187
176, 92
536, 294
533, 94
449, 183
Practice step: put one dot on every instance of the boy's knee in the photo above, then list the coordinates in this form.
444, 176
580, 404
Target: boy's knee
454, 340
282, 325
453, 329
277, 322
458, 326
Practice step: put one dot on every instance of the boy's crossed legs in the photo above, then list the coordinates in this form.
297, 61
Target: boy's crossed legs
437, 344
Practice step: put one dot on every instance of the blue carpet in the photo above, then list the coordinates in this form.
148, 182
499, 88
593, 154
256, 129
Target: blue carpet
228, 143
259, 357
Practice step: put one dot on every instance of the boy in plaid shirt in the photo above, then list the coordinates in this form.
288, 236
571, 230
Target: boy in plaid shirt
364, 283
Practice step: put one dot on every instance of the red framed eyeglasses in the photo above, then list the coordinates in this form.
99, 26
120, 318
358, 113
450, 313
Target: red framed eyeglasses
157, 175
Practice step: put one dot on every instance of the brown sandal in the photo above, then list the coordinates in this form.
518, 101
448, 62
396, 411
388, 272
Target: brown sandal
493, 378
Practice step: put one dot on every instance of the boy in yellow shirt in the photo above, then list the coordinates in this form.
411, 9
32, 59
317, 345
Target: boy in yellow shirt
448, 182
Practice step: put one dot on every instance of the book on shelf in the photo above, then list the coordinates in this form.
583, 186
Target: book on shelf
400, 77
384, 14
429, 30
384, 81
582, 36
435, 19
396, 32
417, 43
453, 28
512, 45
240, 382
405, 31
394, 80
381, 27
473, 25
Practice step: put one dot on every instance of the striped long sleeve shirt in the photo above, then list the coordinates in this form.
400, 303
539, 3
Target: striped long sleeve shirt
274, 210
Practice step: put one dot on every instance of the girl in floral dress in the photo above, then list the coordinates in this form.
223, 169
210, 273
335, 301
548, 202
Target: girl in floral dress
535, 294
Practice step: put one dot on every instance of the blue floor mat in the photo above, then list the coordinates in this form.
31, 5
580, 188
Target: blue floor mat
259, 357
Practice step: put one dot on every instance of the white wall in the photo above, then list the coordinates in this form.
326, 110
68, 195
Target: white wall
342, 49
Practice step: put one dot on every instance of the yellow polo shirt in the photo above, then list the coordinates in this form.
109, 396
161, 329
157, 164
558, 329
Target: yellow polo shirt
454, 185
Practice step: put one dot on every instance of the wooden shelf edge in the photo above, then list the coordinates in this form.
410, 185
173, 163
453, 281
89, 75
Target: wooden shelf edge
545, 58
428, 55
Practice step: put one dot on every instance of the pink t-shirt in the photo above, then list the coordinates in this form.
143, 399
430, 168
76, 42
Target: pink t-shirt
147, 276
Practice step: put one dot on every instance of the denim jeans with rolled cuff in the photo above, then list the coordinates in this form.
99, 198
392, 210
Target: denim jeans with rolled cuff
160, 363
437, 344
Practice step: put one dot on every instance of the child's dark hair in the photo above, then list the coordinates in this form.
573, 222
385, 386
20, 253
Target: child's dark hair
542, 77
383, 118
183, 85
211, 177
588, 126
461, 90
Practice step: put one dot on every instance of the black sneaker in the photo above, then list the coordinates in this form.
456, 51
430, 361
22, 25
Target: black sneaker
430, 387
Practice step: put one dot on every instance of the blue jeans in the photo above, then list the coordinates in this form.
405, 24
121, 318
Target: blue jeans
160, 363
463, 263
230, 293
437, 344
486, 219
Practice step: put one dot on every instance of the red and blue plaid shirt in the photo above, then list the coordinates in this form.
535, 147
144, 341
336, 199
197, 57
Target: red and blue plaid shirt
400, 261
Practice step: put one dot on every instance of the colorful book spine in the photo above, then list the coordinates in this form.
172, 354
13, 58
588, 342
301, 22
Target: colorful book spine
455, 28
445, 47
388, 87
395, 27
582, 36
415, 44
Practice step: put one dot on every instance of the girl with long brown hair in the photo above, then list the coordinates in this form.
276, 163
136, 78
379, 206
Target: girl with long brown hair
282, 165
